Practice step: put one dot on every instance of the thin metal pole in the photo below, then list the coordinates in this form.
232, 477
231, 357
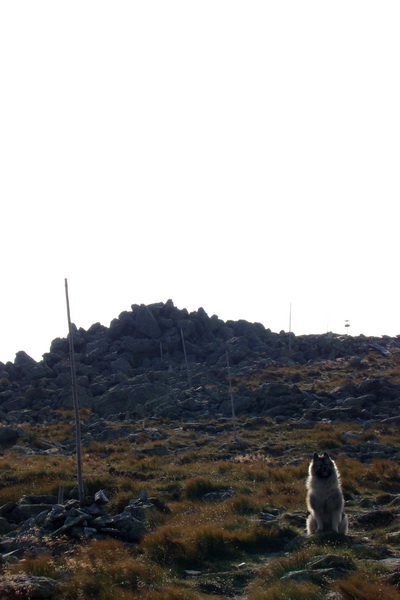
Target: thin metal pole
186, 360
231, 395
75, 402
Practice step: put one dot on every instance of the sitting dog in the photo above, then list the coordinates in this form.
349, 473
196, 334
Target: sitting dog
325, 500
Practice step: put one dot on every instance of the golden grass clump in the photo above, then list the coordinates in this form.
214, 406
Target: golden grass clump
166, 546
359, 587
171, 592
102, 570
33, 475
40, 566
288, 590
196, 488
106, 570
209, 544
245, 505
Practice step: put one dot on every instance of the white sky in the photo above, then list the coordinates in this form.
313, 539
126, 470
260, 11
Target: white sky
237, 156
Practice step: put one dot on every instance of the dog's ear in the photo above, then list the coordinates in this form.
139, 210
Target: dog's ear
326, 455
315, 456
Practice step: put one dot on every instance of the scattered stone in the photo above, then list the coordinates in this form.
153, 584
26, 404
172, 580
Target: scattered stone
374, 519
218, 496
7, 508
332, 561
393, 537
100, 497
27, 587
68, 526
267, 517
8, 435
317, 576
143, 495
4, 526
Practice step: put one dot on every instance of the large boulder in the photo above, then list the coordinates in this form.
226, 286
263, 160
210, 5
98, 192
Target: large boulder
145, 322
8, 435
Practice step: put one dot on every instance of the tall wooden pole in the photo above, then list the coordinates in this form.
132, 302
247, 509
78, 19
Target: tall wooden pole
76, 404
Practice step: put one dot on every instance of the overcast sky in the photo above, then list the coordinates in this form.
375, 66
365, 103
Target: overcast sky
238, 156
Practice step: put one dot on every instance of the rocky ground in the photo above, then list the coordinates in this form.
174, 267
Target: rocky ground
158, 360
41, 525
163, 383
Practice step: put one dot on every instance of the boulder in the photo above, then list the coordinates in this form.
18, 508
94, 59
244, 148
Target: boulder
131, 529
23, 512
4, 526
22, 358
8, 435
374, 519
27, 587
145, 322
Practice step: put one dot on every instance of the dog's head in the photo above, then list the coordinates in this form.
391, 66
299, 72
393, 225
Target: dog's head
322, 466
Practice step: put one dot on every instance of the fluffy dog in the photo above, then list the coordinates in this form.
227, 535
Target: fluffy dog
324, 497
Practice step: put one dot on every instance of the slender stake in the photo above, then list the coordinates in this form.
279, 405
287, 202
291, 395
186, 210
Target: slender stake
231, 395
60, 499
186, 360
75, 402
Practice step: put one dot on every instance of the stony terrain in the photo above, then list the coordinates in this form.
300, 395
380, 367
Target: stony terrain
158, 360
176, 479
184, 498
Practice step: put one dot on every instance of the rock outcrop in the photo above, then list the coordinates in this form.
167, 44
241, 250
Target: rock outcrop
162, 361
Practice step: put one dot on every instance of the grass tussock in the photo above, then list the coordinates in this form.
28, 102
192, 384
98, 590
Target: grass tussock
196, 488
171, 592
246, 505
106, 570
166, 546
287, 590
211, 544
358, 587
103, 570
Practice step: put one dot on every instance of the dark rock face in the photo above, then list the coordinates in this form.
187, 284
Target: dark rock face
158, 360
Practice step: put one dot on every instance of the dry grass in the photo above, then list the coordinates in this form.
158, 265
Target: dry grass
358, 587
104, 570
288, 590
325, 375
203, 535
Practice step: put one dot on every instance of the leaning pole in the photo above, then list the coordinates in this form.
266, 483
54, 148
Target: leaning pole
75, 402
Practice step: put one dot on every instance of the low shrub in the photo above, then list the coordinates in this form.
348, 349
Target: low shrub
196, 488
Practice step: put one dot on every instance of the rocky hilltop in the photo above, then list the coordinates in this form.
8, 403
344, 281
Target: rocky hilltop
162, 361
